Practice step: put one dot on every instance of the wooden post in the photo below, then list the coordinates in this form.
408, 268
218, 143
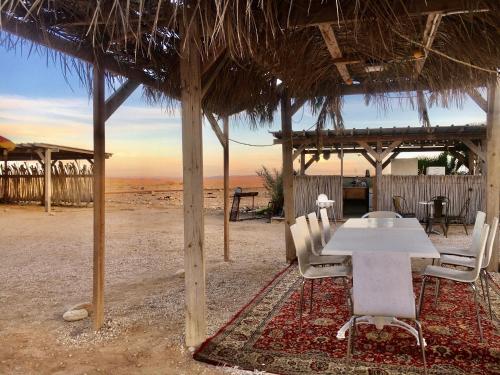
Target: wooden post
378, 172
341, 203
226, 188
47, 168
493, 163
302, 163
192, 158
5, 175
287, 155
99, 175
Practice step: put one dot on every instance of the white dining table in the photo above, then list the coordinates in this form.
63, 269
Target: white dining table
381, 234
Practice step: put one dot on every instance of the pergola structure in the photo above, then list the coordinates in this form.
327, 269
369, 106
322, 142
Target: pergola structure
47, 155
380, 146
228, 57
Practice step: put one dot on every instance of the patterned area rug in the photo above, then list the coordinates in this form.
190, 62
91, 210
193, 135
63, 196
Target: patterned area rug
264, 334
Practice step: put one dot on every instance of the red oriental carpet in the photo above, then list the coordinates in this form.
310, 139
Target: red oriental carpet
264, 334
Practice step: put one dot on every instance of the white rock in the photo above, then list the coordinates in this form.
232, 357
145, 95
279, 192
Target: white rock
74, 315
179, 272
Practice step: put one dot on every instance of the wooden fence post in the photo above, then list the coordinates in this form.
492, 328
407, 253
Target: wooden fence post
226, 187
47, 165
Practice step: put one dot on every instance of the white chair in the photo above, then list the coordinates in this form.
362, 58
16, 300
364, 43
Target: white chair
317, 239
469, 277
381, 215
325, 224
308, 271
316, 259
382, 292
323, 202
468, 262
476, 236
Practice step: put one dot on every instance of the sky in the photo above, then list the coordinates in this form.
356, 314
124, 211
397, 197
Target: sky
38, 103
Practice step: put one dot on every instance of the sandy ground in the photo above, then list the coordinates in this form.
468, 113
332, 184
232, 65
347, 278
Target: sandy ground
46, 268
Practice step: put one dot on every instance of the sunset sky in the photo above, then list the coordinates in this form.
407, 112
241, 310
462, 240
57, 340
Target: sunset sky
37, 104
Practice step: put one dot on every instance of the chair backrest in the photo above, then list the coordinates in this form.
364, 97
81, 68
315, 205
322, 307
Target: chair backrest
382, 284
476, 231
397, 201
489, 245
441, 204
382, 215
315, 232
325, 223
322, 198
300, 247
302, 223
480, 253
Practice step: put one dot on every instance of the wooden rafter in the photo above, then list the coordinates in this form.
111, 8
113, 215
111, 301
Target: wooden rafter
208, 81
334, 49
298, 151
430, 31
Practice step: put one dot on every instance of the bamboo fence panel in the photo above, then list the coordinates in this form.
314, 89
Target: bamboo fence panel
421, 188
307, 188
71, 184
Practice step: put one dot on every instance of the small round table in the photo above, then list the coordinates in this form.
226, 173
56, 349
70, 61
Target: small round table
328, 203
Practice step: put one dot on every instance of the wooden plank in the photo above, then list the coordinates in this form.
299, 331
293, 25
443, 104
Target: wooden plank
430, 31
119, 97
476, 96
286, 147
389, 149
369, 150
368, 158
474, 148
216, 128
334, 49
99, 116
47, 185
309, 163
226, 188
298, 151
391, 158
192, 155
493, 163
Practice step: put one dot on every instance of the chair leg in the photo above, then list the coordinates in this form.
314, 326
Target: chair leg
478, 315
465, 227
311, 296
444, 228
422, 346
485, 274
349, 343
436, 292
301, 304
421, 297
482, 285
334, 216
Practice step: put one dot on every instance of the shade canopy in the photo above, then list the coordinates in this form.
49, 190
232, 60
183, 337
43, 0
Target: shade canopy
36, 151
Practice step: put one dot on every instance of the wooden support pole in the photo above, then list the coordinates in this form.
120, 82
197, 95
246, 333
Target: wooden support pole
341, 203
302, 163
378, 172
390, 159
309, 163
47, 167
493, 164
287, 154
119, 96
192, 158
5, 175
226, 188
99, 114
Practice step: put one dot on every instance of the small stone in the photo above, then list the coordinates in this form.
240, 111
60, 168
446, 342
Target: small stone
74, 315
179, 272
52, 214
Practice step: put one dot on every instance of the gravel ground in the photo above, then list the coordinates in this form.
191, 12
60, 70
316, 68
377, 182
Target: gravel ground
47, 267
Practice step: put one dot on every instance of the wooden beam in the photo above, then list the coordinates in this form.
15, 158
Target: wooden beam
328, 12
309, 162
474, 148
208, 81
99, 115
369, 150
207, 65
297, 104
302, 163
226, 187
334, 49
216, 128
47, 186
390, 159
119, 97
493, 163
192, 155
430, 31
287, 170
476, 96
369, 159
298, 151
389, 149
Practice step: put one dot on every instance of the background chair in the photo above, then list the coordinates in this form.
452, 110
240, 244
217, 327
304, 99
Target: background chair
315, 233
308, 271
401, 207
469, 277
323, 202
462, 215
476, 236
325, 224
439, 213
381, 215
383, 290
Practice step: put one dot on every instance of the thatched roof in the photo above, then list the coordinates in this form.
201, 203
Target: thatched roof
447, 47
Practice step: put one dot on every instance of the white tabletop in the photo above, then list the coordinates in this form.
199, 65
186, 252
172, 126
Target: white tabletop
405, 235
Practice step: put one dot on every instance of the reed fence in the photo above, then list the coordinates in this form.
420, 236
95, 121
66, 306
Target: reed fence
307, 188
71, 184
422, 188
